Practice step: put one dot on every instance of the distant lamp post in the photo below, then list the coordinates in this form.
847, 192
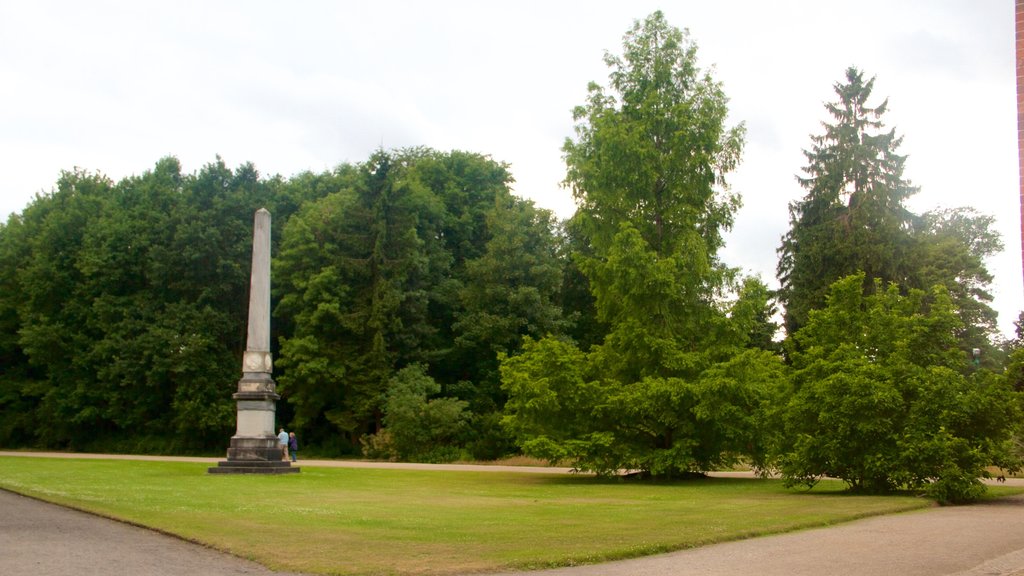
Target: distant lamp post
976, 354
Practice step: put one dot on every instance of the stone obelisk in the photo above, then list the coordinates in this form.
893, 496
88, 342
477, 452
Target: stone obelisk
254, 448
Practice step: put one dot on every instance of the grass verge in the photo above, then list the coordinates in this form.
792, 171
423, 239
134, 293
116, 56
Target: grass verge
405, 522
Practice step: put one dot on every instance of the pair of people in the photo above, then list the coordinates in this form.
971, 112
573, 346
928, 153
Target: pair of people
289, 444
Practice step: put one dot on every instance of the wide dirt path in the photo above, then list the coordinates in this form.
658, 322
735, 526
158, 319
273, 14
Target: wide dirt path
41, 539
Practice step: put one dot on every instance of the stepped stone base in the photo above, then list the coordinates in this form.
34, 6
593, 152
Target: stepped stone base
253, 467
254, 455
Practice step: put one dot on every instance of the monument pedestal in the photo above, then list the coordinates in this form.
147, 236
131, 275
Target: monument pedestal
254, 455
253, 467
254, 448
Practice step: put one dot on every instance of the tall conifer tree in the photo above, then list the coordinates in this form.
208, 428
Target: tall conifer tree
853, 216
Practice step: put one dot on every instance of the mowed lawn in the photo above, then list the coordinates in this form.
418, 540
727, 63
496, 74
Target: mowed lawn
376, 521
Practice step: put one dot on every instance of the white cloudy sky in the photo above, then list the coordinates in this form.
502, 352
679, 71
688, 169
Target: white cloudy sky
294, 86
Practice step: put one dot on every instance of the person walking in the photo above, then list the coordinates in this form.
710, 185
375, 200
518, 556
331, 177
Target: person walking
282, 442
293, 445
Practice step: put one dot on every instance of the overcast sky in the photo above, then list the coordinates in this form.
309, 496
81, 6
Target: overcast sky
293, 86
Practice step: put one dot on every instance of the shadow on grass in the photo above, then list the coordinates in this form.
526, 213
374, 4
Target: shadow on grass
827, 487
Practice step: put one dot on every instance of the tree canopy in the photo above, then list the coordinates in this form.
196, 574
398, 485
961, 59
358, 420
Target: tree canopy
647, 167
880, 399
853, 217
421, 310
125, 303
414, 257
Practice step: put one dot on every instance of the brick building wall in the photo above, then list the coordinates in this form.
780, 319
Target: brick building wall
1020, 113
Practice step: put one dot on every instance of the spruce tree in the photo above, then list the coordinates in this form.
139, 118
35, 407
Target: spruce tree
853, 216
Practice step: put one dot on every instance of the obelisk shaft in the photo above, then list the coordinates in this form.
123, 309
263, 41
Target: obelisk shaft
257, 350
254, 448
254, 438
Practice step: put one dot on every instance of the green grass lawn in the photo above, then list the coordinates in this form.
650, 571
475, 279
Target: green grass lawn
367, 521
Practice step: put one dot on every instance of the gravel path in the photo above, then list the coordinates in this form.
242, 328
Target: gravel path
41, 539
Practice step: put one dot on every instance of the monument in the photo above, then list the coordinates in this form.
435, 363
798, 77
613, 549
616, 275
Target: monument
254, 448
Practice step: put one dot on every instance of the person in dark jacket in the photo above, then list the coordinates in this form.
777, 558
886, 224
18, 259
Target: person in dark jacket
293, 445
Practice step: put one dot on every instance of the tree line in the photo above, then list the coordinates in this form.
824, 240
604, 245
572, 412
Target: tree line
421, 311
124, 304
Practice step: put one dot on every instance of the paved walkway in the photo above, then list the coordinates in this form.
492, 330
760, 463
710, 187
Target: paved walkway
980, 540
41, 539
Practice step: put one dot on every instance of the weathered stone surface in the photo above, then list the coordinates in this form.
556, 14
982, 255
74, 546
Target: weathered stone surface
257, 345
255, 414
253, 467
254, 448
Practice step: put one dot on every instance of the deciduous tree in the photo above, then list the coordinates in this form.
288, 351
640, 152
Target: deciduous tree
647, 168
881, 400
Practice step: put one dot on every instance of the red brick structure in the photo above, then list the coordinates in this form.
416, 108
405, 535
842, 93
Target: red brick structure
1020, 114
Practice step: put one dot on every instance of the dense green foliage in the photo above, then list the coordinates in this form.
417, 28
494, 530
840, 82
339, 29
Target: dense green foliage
124, 306
853, 219
880, 399
415, 257
419, 426
951, 250
668, 390
884, 393
421, 311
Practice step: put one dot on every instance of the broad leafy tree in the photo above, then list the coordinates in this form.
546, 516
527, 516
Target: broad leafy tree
129, 307
47, 242
880, 399
419, 425
952, 248
20, 385
417, 257
510, 291
647, 168
350, 264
